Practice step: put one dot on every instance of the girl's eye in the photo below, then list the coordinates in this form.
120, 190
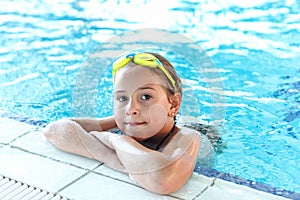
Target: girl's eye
122, 99
146, 97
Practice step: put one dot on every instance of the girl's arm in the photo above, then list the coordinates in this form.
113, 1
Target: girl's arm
160, 172
69, 136
90, 124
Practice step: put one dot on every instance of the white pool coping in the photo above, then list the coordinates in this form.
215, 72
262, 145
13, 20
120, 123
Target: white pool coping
26, 156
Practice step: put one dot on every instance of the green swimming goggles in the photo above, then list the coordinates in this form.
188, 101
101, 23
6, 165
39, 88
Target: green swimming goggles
143, 59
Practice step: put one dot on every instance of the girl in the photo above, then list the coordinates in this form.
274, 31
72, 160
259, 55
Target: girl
156, 153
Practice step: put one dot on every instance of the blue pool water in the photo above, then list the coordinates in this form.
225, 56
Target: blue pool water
254, 45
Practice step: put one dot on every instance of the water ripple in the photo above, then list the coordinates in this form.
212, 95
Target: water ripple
20, 79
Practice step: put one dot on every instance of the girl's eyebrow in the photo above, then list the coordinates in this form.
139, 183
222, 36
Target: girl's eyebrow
119, 91
147, 88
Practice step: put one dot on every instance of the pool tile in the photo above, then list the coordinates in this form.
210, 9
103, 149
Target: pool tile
37, 143
192, 188
226, 191
113, 174
11, 129
95, 186
195, 185
35, 170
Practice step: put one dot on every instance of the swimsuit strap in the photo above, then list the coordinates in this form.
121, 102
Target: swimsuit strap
165, 138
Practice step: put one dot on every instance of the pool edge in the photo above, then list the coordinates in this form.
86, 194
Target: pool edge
208, 172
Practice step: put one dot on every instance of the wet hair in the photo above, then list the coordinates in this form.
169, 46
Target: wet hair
169, 67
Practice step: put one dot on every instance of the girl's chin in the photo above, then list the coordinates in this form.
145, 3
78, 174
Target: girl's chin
139, 139
139, 134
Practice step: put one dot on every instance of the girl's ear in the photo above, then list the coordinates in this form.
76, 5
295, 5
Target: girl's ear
175, 101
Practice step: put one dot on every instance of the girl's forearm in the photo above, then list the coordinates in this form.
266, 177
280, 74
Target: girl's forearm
69, 136
132, 154
160, 172
130, 151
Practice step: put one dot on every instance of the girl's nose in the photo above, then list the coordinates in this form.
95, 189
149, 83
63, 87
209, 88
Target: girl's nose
133, 108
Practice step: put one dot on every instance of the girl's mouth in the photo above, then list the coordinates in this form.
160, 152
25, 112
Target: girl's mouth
135, 123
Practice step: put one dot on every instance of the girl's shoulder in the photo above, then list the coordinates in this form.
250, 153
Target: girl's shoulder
184, 138
185, 131
206, 150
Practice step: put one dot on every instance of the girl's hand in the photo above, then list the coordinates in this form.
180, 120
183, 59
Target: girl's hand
107, 138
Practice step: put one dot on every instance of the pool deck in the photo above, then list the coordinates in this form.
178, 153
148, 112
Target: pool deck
26, 156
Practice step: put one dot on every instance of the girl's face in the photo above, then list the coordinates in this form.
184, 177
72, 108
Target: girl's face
141, 105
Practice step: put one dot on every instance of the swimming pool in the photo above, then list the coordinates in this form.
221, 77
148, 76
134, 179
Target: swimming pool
254, 45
